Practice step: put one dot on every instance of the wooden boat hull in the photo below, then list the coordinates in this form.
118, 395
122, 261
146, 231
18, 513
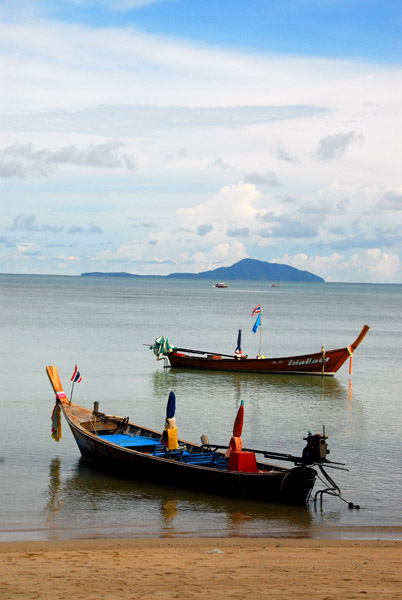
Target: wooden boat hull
271, 484
287, 486
307, 364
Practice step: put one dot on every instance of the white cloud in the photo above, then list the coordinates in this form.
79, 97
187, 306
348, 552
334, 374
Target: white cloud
233, 203
177, 140
390, 200
123, 5
71, 66
222, 254
70, 258
315, 264
336, 145
383, 267
283, 154
269, 178
27, 222
26, 248
132, 252
372, 266
19, 160
204, 229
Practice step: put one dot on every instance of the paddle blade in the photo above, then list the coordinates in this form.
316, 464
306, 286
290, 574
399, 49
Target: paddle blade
171, 406
238, 424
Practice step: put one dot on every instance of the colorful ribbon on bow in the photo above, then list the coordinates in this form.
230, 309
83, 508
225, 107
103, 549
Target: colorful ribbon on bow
56, 423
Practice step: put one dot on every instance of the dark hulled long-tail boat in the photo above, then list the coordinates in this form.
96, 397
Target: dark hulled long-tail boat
324, 362
142, 453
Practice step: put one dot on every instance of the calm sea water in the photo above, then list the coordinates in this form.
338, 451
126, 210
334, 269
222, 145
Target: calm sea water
103, 325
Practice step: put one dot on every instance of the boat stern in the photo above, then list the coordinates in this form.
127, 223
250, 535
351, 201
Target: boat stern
297, 486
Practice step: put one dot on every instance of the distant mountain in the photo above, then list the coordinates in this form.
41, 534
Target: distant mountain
99, 274
250, 269
247, 269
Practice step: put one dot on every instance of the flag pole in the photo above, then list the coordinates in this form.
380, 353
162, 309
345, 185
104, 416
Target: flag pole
75, 377
257, 324
71, 395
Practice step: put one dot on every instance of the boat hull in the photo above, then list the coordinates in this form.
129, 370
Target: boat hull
324, 363
308, 364
279, 485
288, 486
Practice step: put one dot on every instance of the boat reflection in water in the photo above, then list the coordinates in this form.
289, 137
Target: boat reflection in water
93, 503
221, 393
167, 379
55, 503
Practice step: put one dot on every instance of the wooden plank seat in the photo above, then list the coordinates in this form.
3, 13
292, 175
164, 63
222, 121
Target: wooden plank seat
136, 442
194, 458
202, 458
221, 461
206, 459
161, 451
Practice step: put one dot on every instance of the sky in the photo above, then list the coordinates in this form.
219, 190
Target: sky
164, 136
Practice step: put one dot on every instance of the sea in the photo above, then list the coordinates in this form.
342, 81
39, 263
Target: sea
106, 326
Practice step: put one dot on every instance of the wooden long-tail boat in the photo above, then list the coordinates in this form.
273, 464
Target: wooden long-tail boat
142, 453
324, 363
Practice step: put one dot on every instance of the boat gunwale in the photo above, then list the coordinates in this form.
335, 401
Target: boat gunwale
257, 359
275, 469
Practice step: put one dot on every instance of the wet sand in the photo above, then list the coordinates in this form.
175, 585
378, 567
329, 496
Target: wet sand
202, 568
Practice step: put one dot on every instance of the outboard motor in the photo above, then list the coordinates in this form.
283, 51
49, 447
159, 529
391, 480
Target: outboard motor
316, 450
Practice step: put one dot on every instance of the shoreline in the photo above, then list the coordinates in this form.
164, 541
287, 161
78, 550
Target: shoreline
198, 568
341, 533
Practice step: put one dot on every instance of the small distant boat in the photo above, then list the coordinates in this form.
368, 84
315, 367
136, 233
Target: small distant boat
274, 285
325, 362
141, 453
221, 285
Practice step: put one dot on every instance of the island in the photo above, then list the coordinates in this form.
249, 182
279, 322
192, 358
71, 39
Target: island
248, 269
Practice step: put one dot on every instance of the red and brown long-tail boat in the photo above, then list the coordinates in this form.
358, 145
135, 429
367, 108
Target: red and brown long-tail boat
141, 453
324, 362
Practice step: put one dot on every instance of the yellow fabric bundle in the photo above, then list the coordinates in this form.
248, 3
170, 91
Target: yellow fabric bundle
172, 443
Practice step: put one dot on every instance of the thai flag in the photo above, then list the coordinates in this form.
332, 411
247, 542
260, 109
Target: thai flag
256, 311
76, 378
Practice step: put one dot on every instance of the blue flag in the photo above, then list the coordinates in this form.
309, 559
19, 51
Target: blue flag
257, 323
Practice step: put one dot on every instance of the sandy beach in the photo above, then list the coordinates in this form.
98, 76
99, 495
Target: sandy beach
223, 568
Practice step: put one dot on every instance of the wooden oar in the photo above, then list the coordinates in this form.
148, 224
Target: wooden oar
204, 352
198, 351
